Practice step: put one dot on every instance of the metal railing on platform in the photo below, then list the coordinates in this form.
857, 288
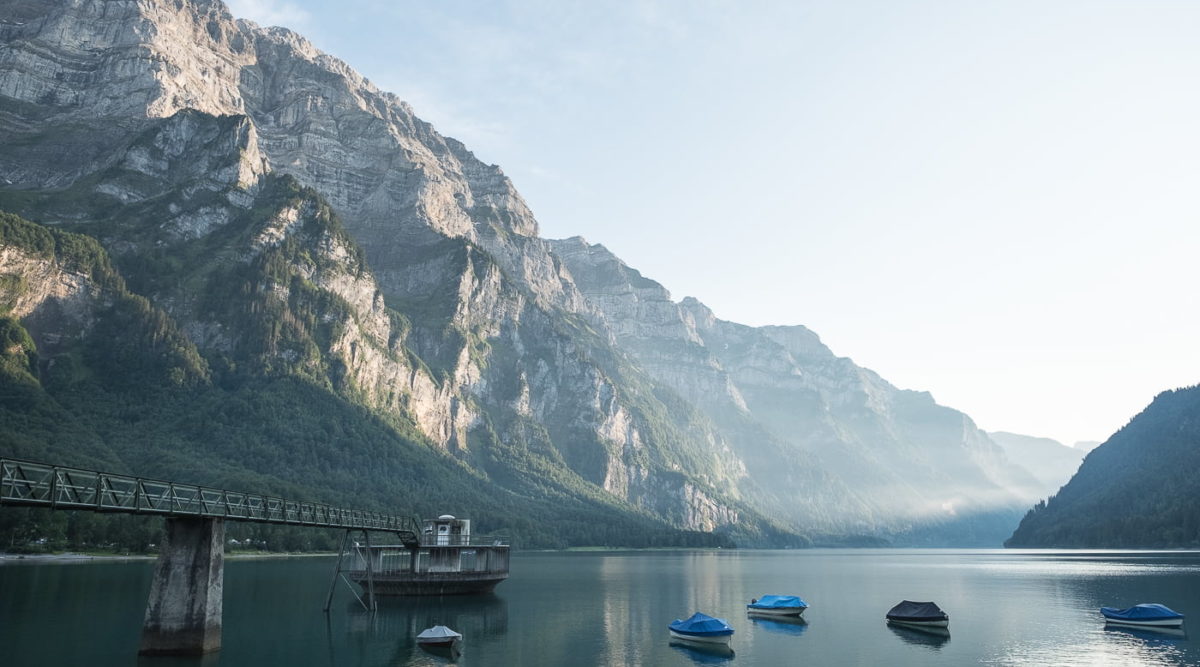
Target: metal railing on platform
433, 540
32, 484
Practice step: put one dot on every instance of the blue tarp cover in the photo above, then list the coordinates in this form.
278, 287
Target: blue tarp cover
778, 602
701, 625
1141, 612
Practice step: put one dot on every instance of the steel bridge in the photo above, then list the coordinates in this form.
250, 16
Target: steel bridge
34, 484
183, 615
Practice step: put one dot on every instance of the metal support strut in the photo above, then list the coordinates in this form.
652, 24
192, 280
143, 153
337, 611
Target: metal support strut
339, 572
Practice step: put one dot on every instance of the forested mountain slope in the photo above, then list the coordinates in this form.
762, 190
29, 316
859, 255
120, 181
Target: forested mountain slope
1137, 490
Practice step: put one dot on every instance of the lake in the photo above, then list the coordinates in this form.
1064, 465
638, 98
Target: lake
612, 608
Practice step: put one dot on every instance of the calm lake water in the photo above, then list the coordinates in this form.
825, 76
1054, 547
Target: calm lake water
612, 608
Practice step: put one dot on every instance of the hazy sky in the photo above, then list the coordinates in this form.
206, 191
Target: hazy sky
996, 202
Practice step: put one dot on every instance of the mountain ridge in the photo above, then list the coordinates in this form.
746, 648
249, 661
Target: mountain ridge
398, 273
1136, 490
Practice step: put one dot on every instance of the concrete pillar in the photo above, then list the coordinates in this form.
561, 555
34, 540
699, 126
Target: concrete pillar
183, 615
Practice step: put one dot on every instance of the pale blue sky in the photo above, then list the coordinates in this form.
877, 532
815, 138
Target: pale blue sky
992, 201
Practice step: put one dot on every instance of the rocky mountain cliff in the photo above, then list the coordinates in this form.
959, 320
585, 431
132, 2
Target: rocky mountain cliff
295, 224
828, 442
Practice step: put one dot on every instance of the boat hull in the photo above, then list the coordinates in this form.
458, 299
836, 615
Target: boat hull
722, 640
782, 611
934, 623
1151, 623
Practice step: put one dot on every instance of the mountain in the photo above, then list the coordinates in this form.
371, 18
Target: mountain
1136, 490
370, 317
895, 460
1050, 461
1086, 445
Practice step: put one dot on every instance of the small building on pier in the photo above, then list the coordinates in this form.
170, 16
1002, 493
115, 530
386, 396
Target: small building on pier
445, 560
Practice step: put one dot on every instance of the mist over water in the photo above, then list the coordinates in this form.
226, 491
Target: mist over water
612, 608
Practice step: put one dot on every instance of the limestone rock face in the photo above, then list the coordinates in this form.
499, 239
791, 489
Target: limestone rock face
52, 301
153, 124
903, 458
108, 65
206, 152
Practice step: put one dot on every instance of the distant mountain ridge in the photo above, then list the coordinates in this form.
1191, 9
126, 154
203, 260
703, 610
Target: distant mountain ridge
1137, 490
1086, 445
1050, 461
305, 234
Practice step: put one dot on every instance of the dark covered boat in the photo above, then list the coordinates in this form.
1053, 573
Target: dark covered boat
1144, 615
702, 628
918, 614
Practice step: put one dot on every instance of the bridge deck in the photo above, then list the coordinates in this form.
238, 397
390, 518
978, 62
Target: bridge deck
32, 484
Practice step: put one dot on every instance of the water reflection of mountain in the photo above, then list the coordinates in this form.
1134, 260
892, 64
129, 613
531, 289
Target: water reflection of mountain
932, 638
702, 654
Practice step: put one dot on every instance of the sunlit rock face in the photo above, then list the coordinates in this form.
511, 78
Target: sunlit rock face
55, 302
153, 124
164, 128
903, 458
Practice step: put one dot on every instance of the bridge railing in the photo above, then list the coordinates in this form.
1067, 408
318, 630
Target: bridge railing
32, 484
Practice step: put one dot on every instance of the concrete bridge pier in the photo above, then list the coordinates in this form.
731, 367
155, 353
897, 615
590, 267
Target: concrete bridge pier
183, 615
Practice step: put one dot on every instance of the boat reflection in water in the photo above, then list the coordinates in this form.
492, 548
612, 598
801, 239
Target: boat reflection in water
473, 616
929, 637
783, 625
1149, 633
703, 653
449, 654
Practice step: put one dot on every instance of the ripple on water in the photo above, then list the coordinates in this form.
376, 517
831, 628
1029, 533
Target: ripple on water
1094, 648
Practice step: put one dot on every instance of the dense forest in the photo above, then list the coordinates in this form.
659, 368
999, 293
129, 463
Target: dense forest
130, 393
1137, 490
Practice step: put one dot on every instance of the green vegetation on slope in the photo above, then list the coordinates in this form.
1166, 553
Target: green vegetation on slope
137, 397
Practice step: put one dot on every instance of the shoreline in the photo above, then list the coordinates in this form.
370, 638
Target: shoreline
76, 557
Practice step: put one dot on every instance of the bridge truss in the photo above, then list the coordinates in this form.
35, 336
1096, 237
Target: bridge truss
32, 484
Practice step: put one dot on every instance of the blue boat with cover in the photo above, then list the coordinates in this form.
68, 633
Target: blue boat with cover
777, 605
702, 628
1146, 615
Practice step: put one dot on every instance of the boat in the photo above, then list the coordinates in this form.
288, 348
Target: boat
918, 614
702, 628
438, 635
1144, 615
777, 605
443, 559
